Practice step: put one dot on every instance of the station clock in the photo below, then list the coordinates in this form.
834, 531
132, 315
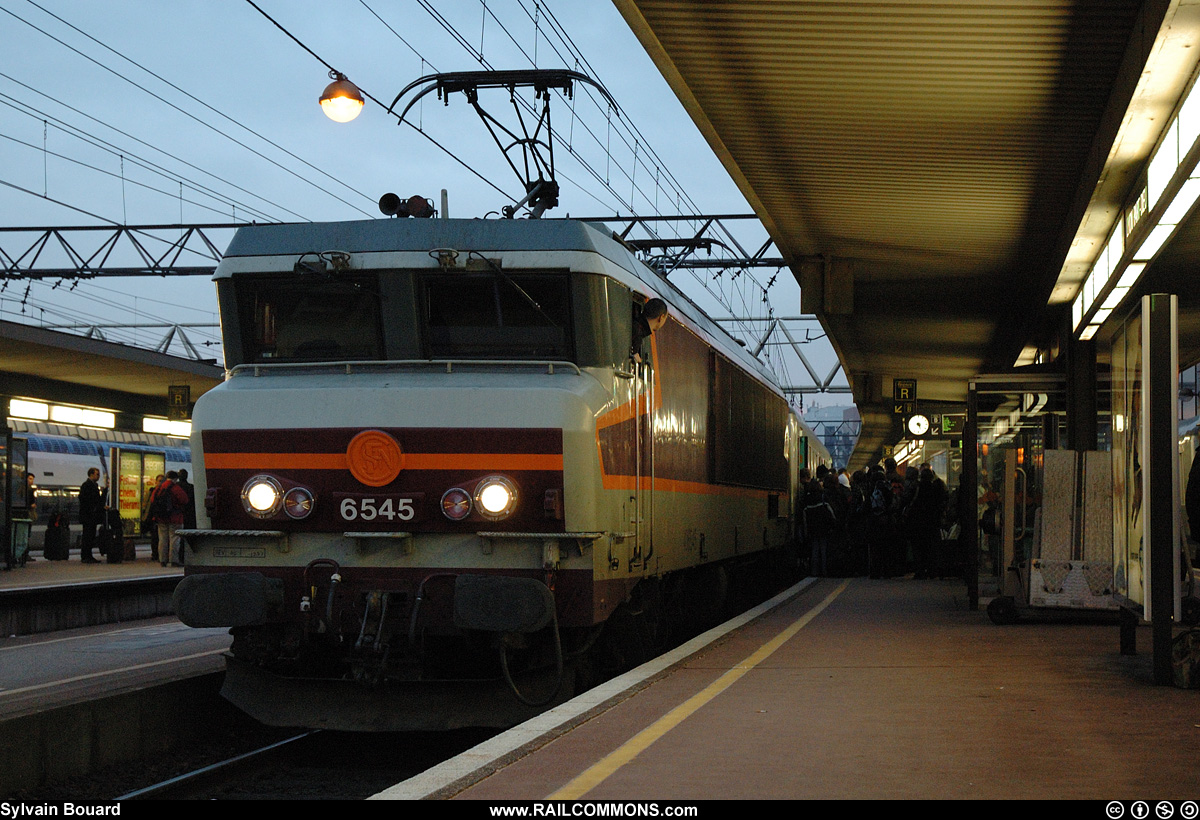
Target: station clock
918, 425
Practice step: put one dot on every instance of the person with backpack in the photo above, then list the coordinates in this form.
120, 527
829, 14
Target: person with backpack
167, 505
880, 532
189, 511
148, 526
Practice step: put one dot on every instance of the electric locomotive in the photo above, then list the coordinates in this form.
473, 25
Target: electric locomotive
439, 489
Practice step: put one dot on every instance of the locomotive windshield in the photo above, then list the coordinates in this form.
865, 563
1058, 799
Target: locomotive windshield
286, 320
497, 315
405, 315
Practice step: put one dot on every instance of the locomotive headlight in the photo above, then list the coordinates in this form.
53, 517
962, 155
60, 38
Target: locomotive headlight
262, 496
496, 497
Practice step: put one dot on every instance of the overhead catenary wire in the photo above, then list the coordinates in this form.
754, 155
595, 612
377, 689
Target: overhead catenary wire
650, 186
639, 141
209, 107
53, 308
426, 61
99, 170
375, 100
59, 202
577, 55
192, 116
86, 135
478, 56
142, 235
142, 142
639, 137
95, 295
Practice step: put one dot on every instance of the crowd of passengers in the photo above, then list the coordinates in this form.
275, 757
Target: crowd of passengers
883, 522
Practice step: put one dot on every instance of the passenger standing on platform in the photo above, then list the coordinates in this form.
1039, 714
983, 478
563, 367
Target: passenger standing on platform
803, 557
91, 514
905, 529
860, 514
32, 498
150, 526
897, 546
880, 532
891, 471
925, 521
818, 522
189, 512
166, 508
32, 508
837, 497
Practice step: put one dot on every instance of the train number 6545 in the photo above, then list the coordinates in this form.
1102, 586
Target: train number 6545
369, 508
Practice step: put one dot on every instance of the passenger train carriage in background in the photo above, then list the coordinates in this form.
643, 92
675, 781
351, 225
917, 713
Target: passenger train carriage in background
437, 490
59, 465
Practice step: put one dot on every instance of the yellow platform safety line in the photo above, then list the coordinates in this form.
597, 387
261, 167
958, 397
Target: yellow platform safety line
602, 770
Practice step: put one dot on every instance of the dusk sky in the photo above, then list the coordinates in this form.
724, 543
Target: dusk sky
148, 112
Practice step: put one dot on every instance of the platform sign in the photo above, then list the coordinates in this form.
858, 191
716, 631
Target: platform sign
179, 401
904, 397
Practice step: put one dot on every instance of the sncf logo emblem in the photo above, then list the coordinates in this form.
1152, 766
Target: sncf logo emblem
374, 458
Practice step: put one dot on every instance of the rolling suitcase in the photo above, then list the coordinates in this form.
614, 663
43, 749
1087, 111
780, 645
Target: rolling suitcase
112, 538
57, 545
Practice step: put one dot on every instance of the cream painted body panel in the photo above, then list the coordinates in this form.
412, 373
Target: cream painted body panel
682, 529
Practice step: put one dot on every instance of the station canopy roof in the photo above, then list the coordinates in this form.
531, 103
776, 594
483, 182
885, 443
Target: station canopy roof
71, 369
939, 175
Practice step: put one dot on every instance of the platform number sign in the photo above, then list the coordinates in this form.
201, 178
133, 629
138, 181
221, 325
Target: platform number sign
904, 396
179, 402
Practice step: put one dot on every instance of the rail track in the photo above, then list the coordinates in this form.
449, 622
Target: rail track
316, 765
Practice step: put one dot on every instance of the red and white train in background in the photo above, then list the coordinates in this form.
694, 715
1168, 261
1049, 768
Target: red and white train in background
437, 489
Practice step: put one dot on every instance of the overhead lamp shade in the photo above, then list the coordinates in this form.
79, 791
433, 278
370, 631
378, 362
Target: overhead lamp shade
341, 101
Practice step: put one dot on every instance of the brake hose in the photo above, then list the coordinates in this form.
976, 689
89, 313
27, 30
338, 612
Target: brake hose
558, 668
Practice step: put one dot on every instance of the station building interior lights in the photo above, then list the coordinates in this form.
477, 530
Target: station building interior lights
62, 414
95, 417
162, 427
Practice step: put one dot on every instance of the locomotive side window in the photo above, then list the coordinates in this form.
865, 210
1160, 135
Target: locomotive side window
498, 316
290, 321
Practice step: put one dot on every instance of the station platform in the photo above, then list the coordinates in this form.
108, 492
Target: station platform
857, 689
40, 572
49, 596
76, 699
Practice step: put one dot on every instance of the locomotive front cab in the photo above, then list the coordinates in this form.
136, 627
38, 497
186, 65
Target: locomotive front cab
400, 475
439, 487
